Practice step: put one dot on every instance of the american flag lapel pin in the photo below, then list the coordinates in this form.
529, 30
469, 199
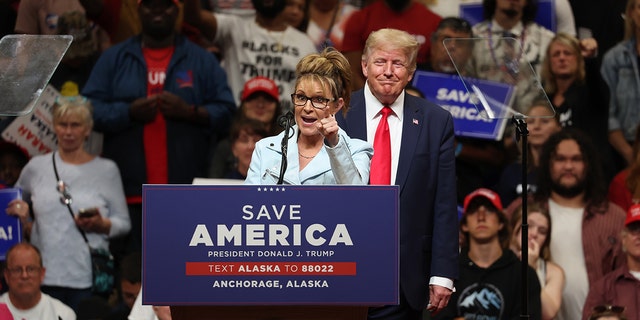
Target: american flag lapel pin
415, 121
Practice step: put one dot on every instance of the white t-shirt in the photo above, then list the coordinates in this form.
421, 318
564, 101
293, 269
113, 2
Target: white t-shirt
47, 309
448, 8
140, 311
566, 251
250, 50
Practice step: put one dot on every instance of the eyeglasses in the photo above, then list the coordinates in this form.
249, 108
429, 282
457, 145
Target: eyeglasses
317, 102
17, 271
63, 189
604, 308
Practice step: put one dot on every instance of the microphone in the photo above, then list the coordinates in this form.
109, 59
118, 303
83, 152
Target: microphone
286, 119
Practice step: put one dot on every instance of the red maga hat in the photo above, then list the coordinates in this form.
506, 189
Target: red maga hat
633, 214
485, 193
260, 84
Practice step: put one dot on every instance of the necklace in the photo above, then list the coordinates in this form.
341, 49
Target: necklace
276, 41
306, 157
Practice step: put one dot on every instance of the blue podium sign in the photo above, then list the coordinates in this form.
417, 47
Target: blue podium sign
276, 245
449, 92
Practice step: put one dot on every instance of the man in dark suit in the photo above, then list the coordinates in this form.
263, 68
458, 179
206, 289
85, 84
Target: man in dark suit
422, 163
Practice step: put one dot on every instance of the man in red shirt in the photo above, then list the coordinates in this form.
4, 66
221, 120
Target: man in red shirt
621, 287
405, 15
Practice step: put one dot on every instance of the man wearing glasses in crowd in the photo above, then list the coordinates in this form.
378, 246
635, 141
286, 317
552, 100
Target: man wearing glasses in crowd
24, 274
621, 287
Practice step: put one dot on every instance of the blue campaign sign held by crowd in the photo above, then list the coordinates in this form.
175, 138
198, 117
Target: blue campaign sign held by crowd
449, 92
10, 227
545, 15
277, 245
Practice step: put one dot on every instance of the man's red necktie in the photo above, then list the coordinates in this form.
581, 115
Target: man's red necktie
381, 161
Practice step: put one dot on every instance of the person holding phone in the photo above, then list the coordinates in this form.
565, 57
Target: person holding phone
89, 184
319, 152
88, 212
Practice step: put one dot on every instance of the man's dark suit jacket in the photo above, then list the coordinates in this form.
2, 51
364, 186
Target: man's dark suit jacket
427, 180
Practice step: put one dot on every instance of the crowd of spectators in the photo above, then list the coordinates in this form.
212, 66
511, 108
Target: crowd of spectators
186, 88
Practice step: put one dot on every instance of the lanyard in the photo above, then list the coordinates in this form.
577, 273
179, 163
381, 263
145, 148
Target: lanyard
510, 67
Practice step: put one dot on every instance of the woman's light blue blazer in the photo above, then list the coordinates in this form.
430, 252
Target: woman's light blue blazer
346, 163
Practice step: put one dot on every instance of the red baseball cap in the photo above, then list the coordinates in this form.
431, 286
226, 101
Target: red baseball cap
486, 193
260, 84
633, 214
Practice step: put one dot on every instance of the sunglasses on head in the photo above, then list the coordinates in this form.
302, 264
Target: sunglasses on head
604, 308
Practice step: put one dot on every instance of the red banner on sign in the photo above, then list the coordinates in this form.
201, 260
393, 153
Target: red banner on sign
270, 268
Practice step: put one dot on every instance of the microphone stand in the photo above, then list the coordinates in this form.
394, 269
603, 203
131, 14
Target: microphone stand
285, 122
522, 133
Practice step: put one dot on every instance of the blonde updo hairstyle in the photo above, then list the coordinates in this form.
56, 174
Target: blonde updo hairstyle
331, 69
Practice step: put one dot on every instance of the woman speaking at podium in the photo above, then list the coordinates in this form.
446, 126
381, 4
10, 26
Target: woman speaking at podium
315, 150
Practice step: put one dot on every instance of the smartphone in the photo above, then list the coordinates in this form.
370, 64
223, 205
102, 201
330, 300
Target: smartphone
88, 212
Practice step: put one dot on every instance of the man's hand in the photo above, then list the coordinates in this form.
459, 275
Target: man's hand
173, 107
144, 109
438, 298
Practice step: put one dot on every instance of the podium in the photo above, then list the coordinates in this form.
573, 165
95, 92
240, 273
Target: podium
269, 312
270, 252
